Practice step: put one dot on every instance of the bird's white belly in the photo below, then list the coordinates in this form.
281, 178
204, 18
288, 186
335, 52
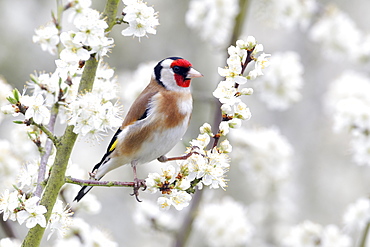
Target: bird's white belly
160, 144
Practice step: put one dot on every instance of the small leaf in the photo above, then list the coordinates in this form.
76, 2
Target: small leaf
11, 100
16, 94
18, 122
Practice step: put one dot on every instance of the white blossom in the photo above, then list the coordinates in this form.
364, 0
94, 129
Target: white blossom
91, 115
309, 234
287, 14
73, 51
78, 7
178, 199
82, 234
351, 108
225, 146
338, 35
27, 177
9, 164
265, 156
8, 242
141, 18
213, 21
91, 28
357, 214
149, 217
5, 91
333, 237
32, 214
9, 201
201, 141
280, 87
206, 129
224, 224
306, 234
37, 110
48, 37
60, 219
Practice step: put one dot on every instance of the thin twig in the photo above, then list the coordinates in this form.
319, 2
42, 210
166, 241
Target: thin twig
83, 182
365, 235
46, 155
48, 133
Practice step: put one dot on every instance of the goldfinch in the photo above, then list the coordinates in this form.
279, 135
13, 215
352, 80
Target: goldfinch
156, 121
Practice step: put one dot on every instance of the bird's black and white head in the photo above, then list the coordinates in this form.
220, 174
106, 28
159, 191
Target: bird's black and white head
175, 73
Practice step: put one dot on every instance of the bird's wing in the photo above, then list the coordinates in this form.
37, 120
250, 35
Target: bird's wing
139, 109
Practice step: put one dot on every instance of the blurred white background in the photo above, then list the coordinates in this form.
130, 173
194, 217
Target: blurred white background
323, 181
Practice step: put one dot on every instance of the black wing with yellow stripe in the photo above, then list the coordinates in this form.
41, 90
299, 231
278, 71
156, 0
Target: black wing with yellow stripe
112, 145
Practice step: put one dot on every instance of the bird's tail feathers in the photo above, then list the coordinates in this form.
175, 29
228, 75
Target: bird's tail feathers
84, 190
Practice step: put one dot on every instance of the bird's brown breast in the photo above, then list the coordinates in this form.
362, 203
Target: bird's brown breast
168, 113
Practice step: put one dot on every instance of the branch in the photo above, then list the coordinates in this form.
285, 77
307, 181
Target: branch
46, 155
183, 234
64, 149
48, 132
365, 235
82, 182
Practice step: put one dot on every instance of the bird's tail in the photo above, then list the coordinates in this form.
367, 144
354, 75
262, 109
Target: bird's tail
85, 189
111, 147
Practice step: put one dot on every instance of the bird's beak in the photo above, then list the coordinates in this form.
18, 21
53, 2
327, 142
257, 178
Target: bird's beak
193, 73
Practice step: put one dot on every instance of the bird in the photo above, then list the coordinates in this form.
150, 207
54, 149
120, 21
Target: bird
154, 124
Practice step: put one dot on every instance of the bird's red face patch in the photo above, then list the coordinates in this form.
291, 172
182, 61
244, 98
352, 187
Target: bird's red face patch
183, 67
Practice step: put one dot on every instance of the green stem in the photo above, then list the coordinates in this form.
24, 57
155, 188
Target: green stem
110, 13
365, 235
48, 148
239, 20
48, 133
64, 148
82, 182
55, 182
183, 234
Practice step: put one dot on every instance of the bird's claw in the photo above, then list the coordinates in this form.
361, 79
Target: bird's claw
138, 183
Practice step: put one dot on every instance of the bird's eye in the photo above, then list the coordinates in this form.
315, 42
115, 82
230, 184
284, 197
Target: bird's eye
176, 69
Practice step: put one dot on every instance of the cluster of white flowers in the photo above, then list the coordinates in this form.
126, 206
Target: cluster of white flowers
351, 107
149, 217
265, 154
48, 37
224, 223
213, 20
208, 167
8, 242
203, 167
9, 164
81, 233
141, 18
335, 27
60, 220
287, 14
280, 87
14, 206
312, 234
357, 215
78, 45
92, 113
5, 91
27, 177
228, 92
265, 158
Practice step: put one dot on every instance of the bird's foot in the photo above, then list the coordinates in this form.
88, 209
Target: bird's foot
92, 175
138, 183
